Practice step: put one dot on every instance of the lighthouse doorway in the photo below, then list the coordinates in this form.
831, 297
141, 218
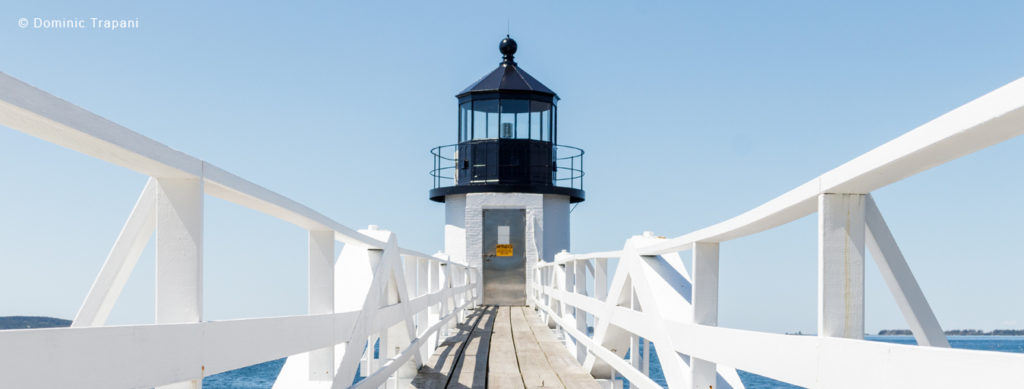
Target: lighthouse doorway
504, 256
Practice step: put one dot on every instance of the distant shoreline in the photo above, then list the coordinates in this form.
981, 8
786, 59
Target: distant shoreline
27, 322
1000, 332
948, 335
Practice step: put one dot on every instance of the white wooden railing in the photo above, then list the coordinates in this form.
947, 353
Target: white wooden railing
378, 291
652, 298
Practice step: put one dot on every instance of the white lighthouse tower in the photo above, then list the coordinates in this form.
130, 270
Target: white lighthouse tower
507, 184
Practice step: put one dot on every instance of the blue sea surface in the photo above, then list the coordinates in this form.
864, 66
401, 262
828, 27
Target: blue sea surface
258, 376
262, 375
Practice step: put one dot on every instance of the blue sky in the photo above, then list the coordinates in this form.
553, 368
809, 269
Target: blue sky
689, 114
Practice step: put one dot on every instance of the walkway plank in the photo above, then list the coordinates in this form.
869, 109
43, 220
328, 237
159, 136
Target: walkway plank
502, 365
568, 368
471, 371
533, 363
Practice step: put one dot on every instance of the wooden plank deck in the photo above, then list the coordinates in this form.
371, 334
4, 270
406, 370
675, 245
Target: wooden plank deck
504, 348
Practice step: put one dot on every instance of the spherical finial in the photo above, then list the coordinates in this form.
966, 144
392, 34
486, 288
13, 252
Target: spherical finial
508, 47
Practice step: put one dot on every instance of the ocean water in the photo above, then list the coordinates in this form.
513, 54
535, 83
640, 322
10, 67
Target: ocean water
261, 376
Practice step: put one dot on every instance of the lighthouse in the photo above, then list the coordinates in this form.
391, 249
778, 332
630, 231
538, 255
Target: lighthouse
507, 184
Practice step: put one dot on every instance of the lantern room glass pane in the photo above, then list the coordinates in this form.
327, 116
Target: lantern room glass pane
465, 121
485, 119
511, 112
506, 119
545, 126
553, 135
540, 120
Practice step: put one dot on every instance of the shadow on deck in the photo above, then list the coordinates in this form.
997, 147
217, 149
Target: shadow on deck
503, 347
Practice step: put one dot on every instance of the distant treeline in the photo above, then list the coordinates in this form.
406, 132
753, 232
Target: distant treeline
23, 322
958, 332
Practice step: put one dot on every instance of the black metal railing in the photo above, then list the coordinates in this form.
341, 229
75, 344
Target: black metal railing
567, 166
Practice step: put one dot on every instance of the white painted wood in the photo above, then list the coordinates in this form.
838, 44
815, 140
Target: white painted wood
179, 250
580, 285
666, 285
841, 265
705, 306
380, 376
120, 261
321, 297
634, 339
663, 293
422, 317
900, 280
601, 278
99, 357
179, 257
565, 257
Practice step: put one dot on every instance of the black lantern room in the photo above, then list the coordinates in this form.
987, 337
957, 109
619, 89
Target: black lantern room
508, 139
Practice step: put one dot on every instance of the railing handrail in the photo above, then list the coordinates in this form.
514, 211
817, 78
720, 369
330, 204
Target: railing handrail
30, 110
990, 119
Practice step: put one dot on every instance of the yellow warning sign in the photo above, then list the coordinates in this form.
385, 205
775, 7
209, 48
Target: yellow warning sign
503, 250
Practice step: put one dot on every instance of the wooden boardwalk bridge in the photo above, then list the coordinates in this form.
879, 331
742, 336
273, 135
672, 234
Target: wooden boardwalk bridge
429, 313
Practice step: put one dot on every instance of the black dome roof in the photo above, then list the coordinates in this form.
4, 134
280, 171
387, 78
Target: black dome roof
508, 76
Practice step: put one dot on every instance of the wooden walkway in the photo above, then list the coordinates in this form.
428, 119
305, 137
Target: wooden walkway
503, 348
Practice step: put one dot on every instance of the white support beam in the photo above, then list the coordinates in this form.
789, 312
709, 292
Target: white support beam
321, 297
901, 281
580, 282
601, 278
121, 260
179, 250
179, 256
422, 318
634, 338
705, 306
841, 265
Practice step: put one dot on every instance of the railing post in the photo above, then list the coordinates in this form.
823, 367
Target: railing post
841, 265
580, 282
634, 339
601, 278
321, 297
567, 310
705, 305
434, 313
179, 255
449, 303
562, 274
423, 289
